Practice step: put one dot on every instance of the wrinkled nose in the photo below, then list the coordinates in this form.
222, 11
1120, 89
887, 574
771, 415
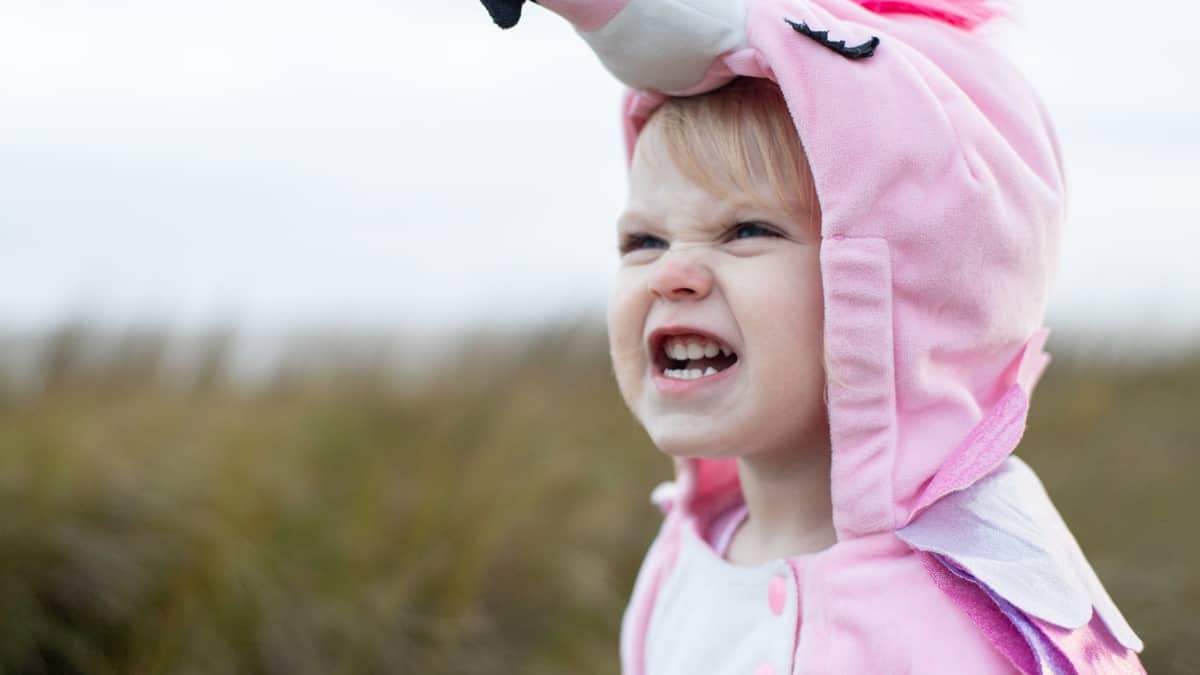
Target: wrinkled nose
681, 277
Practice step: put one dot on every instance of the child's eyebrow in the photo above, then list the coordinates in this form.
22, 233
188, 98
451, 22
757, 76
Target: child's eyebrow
630, 220
717, 220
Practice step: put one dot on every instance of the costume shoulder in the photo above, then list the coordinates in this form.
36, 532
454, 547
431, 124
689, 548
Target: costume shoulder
659, 560
1004, 535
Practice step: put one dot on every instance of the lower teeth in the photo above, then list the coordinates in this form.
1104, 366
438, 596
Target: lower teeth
689, 373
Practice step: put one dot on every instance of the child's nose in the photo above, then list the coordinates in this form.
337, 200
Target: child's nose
680, 277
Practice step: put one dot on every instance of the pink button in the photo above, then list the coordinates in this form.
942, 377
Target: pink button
765, 669
777, 595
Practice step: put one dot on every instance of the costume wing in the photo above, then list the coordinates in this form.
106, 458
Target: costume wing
1004, 535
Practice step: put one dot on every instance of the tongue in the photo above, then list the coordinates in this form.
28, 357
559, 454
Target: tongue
719, 362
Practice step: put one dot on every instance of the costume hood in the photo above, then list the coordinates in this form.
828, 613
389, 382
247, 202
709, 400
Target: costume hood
942, 200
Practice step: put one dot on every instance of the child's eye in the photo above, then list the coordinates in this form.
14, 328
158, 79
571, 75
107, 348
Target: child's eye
633, 242
746, 230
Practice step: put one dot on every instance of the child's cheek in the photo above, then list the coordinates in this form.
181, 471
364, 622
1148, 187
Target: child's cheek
781, 315
626, 316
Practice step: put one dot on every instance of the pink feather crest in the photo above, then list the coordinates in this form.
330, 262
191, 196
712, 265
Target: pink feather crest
966, 14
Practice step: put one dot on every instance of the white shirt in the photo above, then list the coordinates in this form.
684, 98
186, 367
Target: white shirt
713, 617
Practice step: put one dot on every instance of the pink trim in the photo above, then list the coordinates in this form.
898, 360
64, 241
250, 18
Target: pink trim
637, 107
988, 444
857, 283
722, 529
1033, 361
975, 603
996, 436
633, 633
586, 15
748, 62
798, 573
1092, 649
961, 13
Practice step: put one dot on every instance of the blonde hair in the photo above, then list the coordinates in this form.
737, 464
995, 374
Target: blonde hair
739, 136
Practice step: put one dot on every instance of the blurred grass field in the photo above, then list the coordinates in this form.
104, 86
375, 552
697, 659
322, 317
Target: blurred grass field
343, 517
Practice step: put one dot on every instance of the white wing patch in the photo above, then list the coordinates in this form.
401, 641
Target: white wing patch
668, 44
1005, 531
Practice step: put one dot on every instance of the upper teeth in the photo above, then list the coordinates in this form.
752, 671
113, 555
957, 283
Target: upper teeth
684, 348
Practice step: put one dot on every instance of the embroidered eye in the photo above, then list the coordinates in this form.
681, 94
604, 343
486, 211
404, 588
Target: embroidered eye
638, 241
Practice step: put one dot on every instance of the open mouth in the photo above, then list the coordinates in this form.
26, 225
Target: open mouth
691, 356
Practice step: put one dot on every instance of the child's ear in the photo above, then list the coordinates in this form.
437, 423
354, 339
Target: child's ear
506, 13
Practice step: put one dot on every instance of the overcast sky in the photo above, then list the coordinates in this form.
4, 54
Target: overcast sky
279, 164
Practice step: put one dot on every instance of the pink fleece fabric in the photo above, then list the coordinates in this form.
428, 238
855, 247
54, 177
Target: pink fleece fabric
942, 201
942, 197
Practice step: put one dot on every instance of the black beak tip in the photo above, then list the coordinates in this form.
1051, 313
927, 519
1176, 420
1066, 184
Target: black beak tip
506, 13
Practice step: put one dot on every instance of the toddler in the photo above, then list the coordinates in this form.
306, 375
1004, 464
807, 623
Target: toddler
842, 224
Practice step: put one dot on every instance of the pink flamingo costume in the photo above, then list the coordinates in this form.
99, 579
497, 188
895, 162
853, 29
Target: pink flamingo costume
942, 199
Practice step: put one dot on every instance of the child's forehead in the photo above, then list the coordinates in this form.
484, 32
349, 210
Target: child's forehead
658, 165
660, 190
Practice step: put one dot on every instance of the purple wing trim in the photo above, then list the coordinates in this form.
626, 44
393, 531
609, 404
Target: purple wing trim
1033, 646
1048, 658
970, 597
1005, 533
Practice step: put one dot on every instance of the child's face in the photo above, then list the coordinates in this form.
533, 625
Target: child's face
707, 264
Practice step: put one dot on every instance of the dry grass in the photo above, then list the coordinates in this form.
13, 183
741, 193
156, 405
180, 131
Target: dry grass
340, 519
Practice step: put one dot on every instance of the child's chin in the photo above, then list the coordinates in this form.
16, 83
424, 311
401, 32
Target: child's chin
690, 444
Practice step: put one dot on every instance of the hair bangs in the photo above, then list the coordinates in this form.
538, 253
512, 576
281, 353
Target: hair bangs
737, 139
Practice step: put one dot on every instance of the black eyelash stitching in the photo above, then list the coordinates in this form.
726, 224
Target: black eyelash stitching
822, 38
